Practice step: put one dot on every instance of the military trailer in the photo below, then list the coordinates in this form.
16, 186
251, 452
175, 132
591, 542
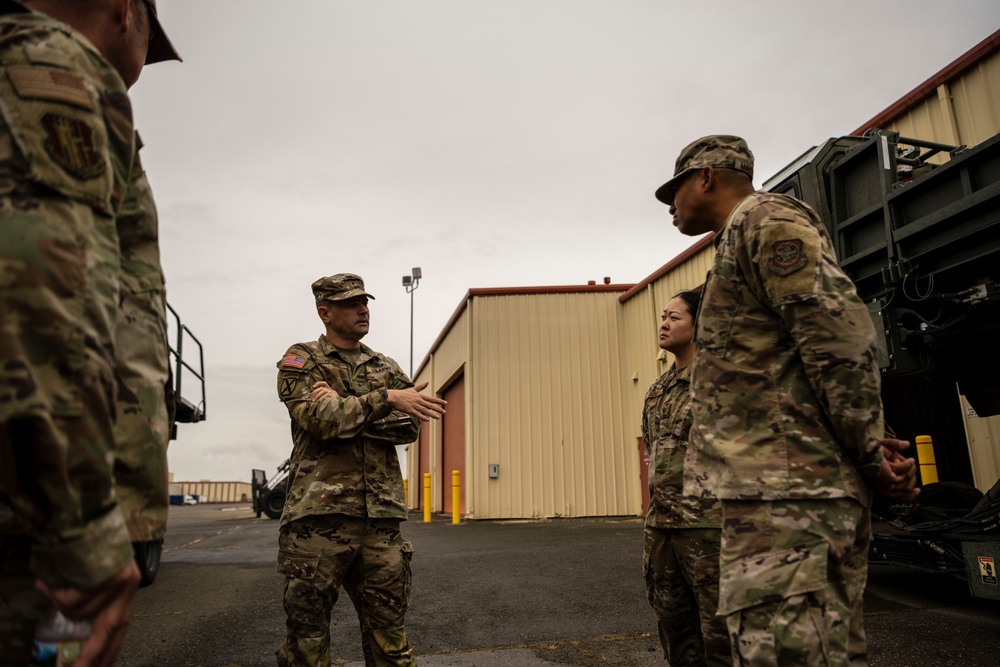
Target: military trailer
920, 237
269, 494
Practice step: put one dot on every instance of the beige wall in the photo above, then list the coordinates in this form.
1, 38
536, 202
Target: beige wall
641, 314
215, 492
443, 365
543, 400
965, 110
547, 407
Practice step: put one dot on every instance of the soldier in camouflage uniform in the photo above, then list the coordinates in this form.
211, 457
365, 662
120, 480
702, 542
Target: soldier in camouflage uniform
350, 406
142, 427
787, 413
66, 150
682, 534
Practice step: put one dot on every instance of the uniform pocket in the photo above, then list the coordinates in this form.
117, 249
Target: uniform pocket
299, 566
406, 575
774, 575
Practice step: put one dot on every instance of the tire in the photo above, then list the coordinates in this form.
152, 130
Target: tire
147, 557
274, 503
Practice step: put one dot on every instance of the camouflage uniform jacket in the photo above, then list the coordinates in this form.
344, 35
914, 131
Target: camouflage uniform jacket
344, 456
142, 429
785, 381
66, 147
666, 421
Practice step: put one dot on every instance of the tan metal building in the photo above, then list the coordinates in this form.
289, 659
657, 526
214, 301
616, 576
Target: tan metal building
545, 384
213, 492
536, 419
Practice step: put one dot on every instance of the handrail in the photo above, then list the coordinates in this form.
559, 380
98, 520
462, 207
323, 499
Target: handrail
199, 373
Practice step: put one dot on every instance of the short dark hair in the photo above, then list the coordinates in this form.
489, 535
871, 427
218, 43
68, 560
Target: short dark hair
692, 299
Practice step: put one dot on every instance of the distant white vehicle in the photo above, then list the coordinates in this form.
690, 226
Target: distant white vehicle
190, 500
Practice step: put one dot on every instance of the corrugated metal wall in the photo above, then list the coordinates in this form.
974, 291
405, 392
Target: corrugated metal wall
216, 492
446, 362
965, 110
641, 320
546, 405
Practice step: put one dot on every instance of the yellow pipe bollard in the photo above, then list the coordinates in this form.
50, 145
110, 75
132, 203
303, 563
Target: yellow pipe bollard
427, 497
925, 455
456, 496
406, 493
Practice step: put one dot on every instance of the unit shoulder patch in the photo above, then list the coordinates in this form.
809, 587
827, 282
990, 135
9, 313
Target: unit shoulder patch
786, 257
70, 144
790, 257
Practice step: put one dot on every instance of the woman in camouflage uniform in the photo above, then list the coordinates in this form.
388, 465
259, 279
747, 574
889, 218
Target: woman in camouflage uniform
682, 535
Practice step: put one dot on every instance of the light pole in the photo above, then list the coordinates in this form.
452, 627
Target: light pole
410, 283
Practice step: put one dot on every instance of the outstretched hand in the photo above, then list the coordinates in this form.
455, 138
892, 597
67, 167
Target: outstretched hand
109, 608
897, 477
412, 402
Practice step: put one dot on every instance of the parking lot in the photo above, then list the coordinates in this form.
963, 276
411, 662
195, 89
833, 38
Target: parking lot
559, 592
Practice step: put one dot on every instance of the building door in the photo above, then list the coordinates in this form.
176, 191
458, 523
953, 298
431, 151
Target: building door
423, 465
453, 445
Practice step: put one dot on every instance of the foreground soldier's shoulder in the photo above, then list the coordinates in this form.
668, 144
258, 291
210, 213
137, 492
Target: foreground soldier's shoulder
69, 114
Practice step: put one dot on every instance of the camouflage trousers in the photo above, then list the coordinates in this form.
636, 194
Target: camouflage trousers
371, 560
792, 577
21, 605
681, 566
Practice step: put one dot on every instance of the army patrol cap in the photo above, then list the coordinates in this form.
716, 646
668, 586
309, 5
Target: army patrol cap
339, 287
722, 151
160, 48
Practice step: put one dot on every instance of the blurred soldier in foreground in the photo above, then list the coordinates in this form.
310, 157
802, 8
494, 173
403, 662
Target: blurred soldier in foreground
66, 152
681, 546
350, 406
787, 427
145, 396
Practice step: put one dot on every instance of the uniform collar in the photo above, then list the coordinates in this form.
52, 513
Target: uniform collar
330, 350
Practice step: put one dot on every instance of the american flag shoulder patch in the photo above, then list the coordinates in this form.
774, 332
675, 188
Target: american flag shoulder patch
293, 360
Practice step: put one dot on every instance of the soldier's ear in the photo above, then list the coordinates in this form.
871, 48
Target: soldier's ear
323, 312
124, 13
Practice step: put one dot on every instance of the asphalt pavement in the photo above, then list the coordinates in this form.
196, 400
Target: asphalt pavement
496, 593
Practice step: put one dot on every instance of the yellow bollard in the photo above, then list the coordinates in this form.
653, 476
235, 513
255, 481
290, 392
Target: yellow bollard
456, 496
406, 493
925, 456
427, 497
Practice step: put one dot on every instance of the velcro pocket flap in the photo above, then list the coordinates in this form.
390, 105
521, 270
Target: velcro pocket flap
770, 576
300, 566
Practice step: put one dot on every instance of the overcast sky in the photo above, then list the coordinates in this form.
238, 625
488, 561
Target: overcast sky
491, 143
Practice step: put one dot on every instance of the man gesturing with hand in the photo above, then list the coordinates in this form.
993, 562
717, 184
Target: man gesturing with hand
349, 407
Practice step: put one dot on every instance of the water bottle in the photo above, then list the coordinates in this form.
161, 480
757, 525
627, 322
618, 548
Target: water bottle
58, 640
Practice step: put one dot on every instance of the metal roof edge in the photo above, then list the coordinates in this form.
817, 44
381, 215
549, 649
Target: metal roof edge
966, 61
693, 250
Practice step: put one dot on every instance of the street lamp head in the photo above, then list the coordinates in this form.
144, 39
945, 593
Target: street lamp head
416, 273
407, 281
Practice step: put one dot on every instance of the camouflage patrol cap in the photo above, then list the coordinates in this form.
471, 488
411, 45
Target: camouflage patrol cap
160, 48
722, 151
339, 287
